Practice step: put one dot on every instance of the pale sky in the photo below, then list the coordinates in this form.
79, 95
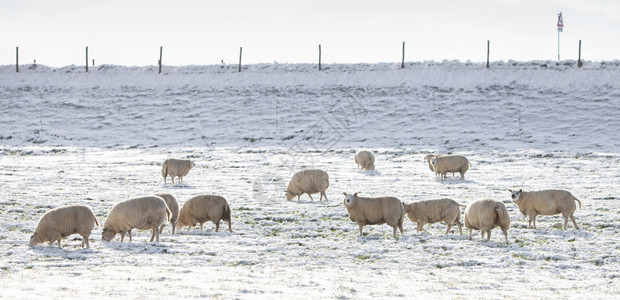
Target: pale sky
130, 32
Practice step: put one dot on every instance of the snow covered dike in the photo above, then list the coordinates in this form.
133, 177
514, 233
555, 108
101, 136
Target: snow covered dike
72, 138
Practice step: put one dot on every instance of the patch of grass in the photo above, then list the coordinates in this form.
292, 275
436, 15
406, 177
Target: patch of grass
363, 257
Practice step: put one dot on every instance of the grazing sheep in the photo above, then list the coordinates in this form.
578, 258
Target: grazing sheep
365, 159
176, 167
485, 215
140, 213
310, 181
203, 208
172, 204
371, 211
450, 163
546, 203
431, 211
64, 221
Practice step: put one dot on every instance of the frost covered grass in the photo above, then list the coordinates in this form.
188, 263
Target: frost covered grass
95, 141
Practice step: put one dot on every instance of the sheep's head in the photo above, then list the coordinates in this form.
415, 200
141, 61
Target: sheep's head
433, 161
35, 239
107, 234
428, 157
290, 195
191, 164
349, 200
515, 195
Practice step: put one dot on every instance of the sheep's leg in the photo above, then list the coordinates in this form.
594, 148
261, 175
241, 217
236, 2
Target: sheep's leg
505, 235
180, 179
217, 226
130, 235
310, 197
161, 229
229, 226
394, 231
565, 222
153, 234
462, 175
360, 225
488, 235
122, 236
572, 218
482, 233
400, 227
201, 226
470, 232
534, 221
458, 224
449, 226
174, 228
59, 246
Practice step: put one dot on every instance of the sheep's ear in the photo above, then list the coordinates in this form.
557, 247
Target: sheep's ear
344, 193
520, 190
355, 195
510, 190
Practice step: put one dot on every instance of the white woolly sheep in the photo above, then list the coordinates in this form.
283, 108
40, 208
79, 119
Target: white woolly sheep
431, 211
141, 213
450, 163
173, 205
365, 159
64, 221
372, 211
546, 203
428, 161
203, 208
176, 167
310, 181
485, 215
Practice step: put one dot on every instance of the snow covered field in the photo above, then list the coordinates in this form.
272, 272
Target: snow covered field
67, 137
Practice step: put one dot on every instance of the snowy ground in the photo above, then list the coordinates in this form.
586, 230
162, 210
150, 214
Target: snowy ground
72, 138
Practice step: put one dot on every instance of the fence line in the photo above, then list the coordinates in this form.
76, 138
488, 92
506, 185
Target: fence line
402, 66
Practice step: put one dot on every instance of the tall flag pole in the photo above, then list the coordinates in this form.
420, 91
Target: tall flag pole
560, 29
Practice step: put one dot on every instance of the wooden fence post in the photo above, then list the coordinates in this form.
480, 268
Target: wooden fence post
319, 57
161, 49
488, 51
240, 51
579, 63
86, 59
402, 64
17, 59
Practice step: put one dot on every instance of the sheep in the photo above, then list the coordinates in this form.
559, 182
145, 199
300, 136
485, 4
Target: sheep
450, 163
309, 181
172, 204
365, 159
176, 167
428, 161
431, 211
64, 221
546, 203
203, 208
140, 213
371, 211
485, 215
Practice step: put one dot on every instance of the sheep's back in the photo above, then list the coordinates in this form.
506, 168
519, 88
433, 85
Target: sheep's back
380, 210
66, 220
172, 204
141, 213
434, 210
312, 181
549, 202
449, 163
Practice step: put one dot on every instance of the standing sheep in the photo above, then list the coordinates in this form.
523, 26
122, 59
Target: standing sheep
371, 211
546, 203
64, 221
365, 159
172, 204
428, 161
485, 215
176, 167
431, 211
203, 208
310, 181
141, 213
450, 163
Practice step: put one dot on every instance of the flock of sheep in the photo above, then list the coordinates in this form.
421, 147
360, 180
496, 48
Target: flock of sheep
151, 212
